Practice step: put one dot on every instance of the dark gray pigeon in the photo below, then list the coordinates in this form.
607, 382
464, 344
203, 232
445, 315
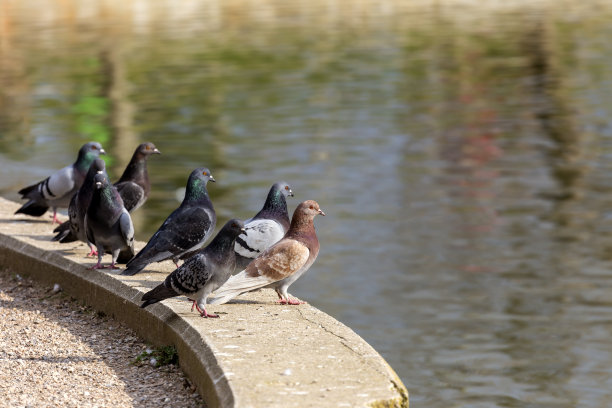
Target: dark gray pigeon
201, 274
134, 185
185, 230
108, 224
57, 190
281, 264
266, 228
74, 228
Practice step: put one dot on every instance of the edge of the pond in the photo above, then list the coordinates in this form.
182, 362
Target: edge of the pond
25, 249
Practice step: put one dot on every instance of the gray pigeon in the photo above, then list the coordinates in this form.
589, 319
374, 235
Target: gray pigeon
108, 223
204, 272
134, 185
281, 264
185, 230
266, 228
74, 228
57, 190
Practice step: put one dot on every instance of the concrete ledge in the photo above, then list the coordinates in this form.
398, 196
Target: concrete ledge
258, 354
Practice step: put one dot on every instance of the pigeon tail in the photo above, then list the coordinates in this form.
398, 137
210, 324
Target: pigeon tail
132, 269
236, 285
64, 234
33, 208
157, 294
27, 190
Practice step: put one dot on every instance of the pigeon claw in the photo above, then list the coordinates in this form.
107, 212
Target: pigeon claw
55, 219
202, 312
92, 251
291, 301
97, 266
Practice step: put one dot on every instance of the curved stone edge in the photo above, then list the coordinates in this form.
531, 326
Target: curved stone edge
25, 248
109, 295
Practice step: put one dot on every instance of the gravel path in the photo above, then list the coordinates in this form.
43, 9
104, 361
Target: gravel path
54, 352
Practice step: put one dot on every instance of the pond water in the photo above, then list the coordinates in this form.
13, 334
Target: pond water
461, 150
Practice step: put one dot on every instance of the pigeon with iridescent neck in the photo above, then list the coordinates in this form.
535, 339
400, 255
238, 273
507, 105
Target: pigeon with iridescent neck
57, 190
185, 230
266, 228
108, 224
74, 228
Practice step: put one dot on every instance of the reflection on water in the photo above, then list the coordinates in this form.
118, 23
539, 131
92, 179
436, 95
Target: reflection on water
461, 152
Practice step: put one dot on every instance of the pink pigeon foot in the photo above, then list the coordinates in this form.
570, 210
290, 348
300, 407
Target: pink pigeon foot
203, 312
97, 266
92, 252
55, 219
291, 301
111, 266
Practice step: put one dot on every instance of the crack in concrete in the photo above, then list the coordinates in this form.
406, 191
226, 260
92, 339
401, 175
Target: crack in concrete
393, 384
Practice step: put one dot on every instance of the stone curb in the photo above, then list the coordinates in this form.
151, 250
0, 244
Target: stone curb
258, 354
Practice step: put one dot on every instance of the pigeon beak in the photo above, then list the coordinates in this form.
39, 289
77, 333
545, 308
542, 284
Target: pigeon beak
156, 151
242, 229
212, 179
290, 193
102, 151
321, 212
99, 172
98, 184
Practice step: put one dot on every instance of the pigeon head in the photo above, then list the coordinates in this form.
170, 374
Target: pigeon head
196, 185
87, 153
283, 188
147, 149
98, 165
202, 174
100, 180
223, 242
303, 217
275, 202
233, 227
308, 209
92, 149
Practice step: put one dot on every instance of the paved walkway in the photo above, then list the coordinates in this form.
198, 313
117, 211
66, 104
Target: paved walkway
54, 352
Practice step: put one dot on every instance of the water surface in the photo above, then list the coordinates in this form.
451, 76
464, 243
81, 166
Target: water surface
461, 151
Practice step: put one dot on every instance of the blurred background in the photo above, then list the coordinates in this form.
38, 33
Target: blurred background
461, 151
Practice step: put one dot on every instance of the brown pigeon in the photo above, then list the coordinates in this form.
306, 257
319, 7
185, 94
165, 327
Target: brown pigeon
281, 264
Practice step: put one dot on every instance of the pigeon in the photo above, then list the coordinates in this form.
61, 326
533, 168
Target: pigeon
108, 224
74, 228
185, 230
57, 190
281, 264
267, 227
134, 185
204, 272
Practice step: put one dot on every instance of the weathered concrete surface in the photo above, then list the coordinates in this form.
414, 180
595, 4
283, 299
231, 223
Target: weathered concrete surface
257, 354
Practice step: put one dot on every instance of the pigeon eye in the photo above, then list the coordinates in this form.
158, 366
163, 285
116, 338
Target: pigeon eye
204, 173
147, 147
94, 147
286, 187
311, 207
